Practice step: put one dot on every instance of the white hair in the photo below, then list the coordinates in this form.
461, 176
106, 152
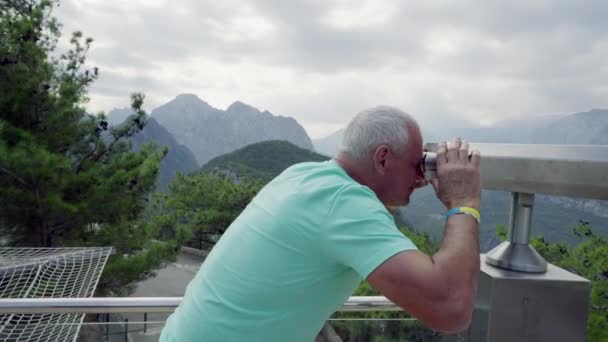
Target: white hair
374, 127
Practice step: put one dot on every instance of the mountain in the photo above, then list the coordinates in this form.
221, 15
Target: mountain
178, 159
118, 115
329, 144
263, 160
210, 132
585, 128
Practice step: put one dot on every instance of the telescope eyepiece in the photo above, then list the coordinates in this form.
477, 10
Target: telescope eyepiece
429, 165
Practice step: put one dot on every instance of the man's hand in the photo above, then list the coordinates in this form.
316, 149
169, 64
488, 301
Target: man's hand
458, 182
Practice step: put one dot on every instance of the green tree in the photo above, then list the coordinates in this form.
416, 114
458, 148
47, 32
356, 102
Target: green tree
200, 205
589, 259
64, 173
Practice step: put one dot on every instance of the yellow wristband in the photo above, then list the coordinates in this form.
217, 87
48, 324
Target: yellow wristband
465, 210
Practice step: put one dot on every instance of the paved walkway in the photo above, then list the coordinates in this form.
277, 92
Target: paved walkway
170, 281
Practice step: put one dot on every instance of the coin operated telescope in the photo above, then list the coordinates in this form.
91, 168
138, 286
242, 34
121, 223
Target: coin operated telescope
520, 296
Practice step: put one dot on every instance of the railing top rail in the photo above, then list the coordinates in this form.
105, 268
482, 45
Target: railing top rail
147, 304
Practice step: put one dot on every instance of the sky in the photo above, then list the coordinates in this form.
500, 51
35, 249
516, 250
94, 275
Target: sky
322, 61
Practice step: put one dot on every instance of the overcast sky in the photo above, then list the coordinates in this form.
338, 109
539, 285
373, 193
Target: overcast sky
322, 61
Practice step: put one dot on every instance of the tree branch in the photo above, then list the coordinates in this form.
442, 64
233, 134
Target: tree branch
20, 180
79, 167
109, 148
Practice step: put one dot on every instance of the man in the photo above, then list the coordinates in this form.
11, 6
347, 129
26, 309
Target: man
304, 243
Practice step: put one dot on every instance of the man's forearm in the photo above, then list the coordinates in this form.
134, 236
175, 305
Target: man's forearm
461, 241
458, 257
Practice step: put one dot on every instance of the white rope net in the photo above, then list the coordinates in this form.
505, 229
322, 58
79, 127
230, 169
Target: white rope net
47, 273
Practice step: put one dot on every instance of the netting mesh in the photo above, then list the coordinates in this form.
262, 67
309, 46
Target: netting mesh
47, 273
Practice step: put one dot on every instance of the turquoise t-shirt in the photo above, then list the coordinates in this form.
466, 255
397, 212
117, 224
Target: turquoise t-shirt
292, 257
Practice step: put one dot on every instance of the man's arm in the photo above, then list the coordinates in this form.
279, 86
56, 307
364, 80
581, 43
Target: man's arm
440, 289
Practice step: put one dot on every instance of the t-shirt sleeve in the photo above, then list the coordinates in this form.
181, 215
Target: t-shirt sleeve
360, 233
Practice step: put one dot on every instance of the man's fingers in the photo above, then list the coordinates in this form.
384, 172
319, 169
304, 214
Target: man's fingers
435, 184
442, 150
476, 158
463, 153
453, 148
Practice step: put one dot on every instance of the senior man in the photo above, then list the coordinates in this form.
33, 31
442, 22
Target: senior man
304, 243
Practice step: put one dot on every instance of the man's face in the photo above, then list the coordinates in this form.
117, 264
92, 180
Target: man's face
405, 174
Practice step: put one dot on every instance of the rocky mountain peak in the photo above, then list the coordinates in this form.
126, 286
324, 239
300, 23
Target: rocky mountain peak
594, 114
245, 111
210, 132
189, 98
240, 107
189, 103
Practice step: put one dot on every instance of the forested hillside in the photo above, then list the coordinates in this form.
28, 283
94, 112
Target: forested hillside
263, 160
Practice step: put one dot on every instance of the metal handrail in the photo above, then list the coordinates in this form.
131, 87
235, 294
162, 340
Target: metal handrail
149, 304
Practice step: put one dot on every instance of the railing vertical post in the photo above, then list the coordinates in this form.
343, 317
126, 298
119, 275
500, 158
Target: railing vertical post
107, 327
126, 330
145, 321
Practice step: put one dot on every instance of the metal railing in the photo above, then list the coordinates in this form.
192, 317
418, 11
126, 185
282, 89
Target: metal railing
149, 304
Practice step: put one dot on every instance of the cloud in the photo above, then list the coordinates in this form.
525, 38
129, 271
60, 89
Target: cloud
323, 61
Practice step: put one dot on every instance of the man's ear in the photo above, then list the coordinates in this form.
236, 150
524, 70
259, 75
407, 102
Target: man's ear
381, 155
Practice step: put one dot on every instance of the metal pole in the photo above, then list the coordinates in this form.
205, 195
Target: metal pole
149, 304
520, 221
145, 321
516, 254
126, 330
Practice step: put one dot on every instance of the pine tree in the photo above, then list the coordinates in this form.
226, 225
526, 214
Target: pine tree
200, 207
65, 175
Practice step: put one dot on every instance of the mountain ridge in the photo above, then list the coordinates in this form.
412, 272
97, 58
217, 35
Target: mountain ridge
263, 160
210, 132
178, 159
581, 128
